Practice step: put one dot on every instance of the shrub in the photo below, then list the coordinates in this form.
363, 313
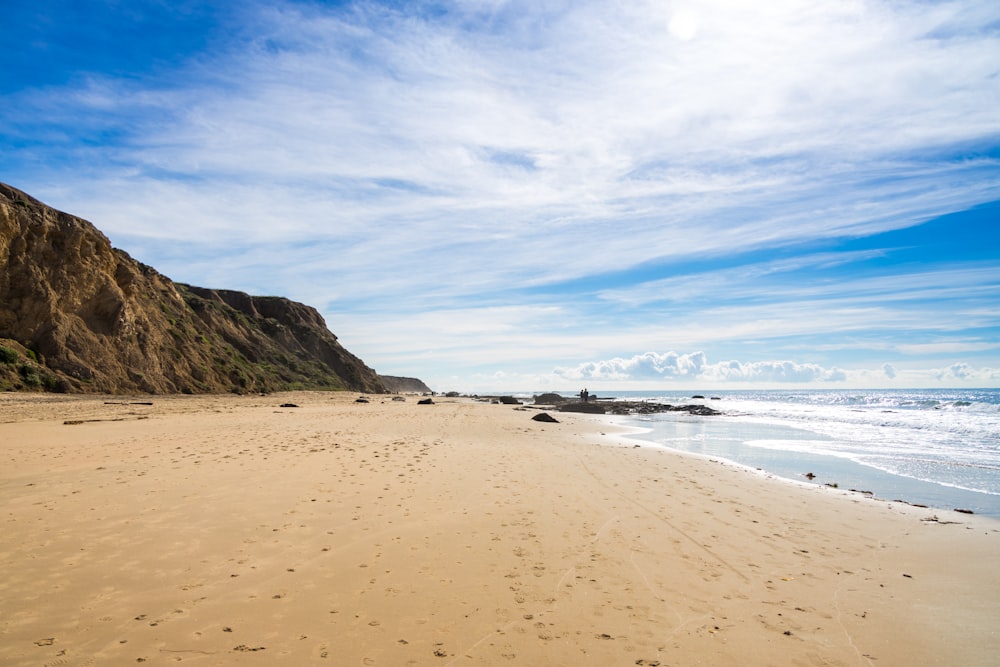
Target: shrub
8, 355
30, 376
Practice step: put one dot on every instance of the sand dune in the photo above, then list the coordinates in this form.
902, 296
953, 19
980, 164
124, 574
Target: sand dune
228, 530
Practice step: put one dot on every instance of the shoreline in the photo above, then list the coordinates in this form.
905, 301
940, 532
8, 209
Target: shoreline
632, 437
832, 471
228, 530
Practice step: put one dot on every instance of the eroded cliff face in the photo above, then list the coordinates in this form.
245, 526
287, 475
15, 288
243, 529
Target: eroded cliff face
78, 315
404, 385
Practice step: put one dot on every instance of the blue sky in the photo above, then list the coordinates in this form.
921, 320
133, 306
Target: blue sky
497, 195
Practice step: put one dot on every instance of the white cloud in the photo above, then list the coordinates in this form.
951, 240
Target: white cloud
672, 366
660, 370
650, 365
964, 374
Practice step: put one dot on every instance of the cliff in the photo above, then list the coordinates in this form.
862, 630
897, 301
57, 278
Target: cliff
77, 315
401, 385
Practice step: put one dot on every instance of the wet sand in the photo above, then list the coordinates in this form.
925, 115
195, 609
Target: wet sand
228, 530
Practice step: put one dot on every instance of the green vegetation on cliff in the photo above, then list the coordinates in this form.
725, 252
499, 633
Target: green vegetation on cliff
77, 315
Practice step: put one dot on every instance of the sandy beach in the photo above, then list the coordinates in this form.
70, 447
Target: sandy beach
228, 530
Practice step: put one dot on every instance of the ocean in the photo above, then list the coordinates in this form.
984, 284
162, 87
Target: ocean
939, 448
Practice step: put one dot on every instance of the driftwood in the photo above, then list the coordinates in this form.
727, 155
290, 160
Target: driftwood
75, 422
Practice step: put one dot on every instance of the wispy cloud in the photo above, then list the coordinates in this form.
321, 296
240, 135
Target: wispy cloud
515, 180
782, 279
948, 347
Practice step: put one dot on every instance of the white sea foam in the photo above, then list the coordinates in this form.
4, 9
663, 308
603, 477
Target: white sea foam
947, 439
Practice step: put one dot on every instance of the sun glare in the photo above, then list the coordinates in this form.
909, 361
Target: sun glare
684, 25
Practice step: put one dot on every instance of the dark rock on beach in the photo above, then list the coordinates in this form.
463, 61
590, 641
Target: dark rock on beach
653, 408
635, 408
586, 408
545, 417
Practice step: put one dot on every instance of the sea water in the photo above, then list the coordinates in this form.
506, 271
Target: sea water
939, 448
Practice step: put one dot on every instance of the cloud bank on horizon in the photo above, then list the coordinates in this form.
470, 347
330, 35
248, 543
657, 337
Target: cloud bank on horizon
514, 195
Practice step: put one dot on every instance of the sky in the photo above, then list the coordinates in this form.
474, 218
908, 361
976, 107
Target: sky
542, 195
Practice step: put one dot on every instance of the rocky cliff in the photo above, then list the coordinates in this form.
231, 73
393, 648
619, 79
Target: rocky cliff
77, 315
401, 385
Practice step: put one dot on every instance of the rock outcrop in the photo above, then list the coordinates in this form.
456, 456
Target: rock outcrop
77, 315
635, 408
549, 399
401, 385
